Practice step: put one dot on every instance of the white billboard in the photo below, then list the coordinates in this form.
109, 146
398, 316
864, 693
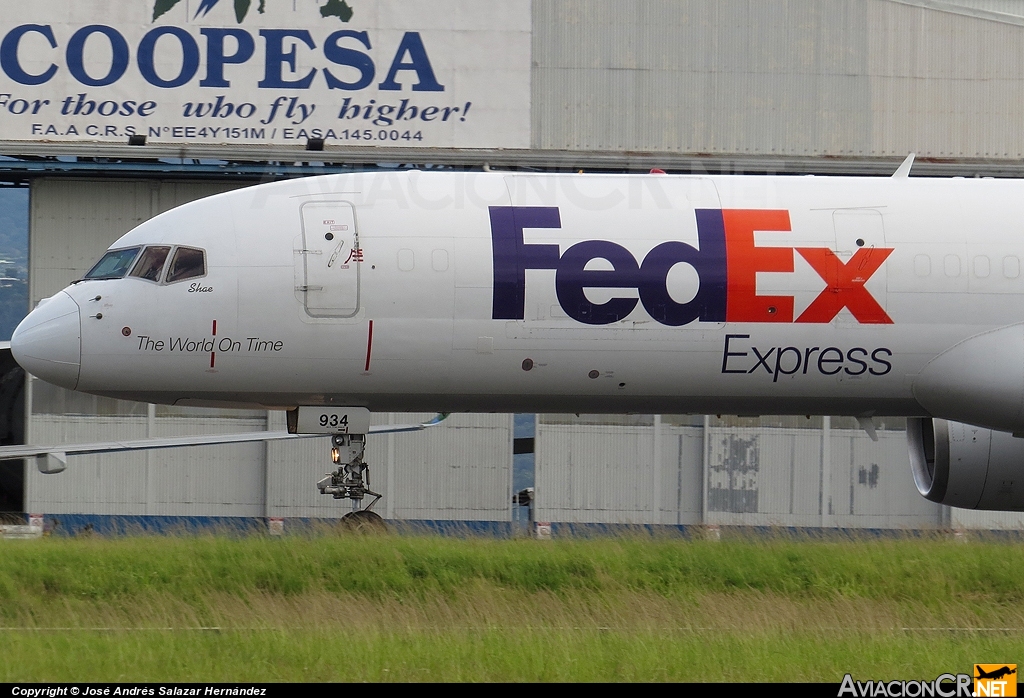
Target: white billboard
423, 73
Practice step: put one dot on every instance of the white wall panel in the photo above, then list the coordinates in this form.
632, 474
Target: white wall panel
682, 455
608, 474
986, 520
458, 470
101, 484
767, 475
872, 485
594, 474
794, 77
225, 480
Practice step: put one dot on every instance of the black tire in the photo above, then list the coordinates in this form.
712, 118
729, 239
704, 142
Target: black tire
364, 522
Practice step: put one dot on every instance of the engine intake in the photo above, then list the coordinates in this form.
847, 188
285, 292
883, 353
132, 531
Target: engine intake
966, 466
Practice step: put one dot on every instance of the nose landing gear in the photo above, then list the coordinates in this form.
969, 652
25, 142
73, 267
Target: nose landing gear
351, 480
348, 427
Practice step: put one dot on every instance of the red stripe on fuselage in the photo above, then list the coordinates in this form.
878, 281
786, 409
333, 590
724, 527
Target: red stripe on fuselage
369, 345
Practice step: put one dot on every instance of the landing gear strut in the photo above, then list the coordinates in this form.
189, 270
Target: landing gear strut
351, 480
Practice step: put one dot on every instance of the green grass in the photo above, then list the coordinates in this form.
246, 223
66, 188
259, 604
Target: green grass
346, 608
490, 655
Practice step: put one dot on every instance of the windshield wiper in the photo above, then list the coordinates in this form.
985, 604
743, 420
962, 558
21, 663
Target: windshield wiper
95, 278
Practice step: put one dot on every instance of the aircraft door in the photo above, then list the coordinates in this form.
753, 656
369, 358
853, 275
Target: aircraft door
328, 259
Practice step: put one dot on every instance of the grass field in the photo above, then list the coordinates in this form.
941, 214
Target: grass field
342, 608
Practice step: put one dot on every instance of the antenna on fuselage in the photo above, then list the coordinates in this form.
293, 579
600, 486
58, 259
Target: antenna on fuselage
903, 171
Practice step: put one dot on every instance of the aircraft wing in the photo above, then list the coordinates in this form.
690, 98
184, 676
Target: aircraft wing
53, 459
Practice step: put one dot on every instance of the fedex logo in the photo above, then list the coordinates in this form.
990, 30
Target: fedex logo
726, 264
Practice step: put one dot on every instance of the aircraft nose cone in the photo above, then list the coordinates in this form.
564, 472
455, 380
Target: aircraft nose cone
48, 343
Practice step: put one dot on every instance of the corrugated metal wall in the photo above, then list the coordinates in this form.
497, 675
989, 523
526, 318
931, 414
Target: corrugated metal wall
1014, 8
795, 77
206, 481
618, 474
461, 470
747, 472
458, 471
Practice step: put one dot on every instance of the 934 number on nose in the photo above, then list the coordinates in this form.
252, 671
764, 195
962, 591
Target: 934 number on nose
333, 420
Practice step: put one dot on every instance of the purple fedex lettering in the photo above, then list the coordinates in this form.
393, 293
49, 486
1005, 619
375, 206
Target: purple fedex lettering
572, 278
709, 263
512, 257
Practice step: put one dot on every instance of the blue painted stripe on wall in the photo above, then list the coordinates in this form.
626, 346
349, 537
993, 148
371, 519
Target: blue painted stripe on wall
79, 524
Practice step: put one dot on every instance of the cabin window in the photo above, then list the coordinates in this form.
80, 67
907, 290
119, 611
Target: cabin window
981, 266
114, 264
406, 259
951, 265
1011, 267
151, 263
187, 263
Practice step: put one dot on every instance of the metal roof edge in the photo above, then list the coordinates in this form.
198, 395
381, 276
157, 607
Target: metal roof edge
953, 8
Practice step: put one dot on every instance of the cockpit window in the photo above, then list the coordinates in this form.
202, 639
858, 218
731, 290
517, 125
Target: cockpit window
187, 263
114, 264
151, 263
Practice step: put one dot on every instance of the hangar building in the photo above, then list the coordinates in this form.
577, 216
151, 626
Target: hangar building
720, 86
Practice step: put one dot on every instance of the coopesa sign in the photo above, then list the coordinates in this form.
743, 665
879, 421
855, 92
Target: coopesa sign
344, 49
380, 73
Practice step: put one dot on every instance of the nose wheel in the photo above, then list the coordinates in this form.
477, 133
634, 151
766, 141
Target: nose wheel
364, 521
351, 480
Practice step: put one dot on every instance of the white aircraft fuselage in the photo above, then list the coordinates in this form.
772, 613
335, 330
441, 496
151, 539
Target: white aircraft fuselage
442, 291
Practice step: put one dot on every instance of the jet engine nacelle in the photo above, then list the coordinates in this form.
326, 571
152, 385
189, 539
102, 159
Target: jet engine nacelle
966, 466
